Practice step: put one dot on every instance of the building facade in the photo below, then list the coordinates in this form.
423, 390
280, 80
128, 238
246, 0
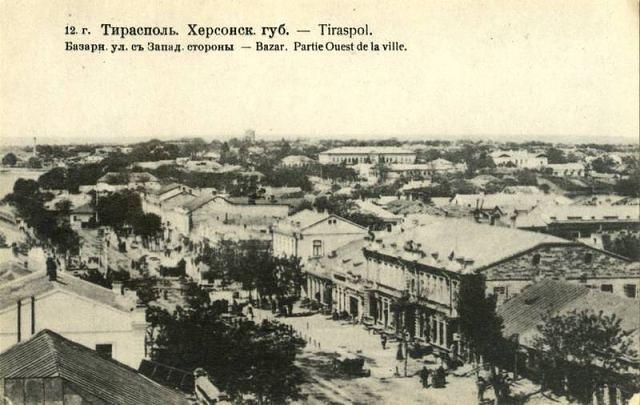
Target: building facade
101, 319
351, 155
519, 158
309, 234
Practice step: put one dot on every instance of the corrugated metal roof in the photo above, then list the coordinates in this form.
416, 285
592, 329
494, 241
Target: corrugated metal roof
48, 354
524, 312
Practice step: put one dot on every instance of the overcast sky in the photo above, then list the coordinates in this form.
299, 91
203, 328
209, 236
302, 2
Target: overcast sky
499, 69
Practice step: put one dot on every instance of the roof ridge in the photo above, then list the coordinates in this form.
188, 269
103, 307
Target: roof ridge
48, 336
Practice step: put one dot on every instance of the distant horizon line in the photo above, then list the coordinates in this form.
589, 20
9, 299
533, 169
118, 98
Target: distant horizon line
556, 139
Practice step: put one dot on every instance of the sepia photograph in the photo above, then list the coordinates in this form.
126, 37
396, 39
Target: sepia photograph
319, 202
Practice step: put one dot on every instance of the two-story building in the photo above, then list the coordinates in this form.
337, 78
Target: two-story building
310, 234
352, 155
426, 261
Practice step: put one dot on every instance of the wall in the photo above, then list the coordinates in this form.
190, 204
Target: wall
571, 263
81, 320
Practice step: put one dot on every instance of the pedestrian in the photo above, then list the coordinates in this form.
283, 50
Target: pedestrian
383, 341
482, 386
439, 378
424, 377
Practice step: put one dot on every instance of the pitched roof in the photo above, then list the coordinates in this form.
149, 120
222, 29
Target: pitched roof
296, 159
305, 218
84, 209
195, 203
141, 177
466, 241
542, 216
166, 188
346, 259
48, 354
38, 283
522, 313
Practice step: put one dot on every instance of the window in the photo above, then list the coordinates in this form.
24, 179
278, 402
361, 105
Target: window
317, 248
606, 288
536, 259
104, 350
498, 290
588, 258
630, 290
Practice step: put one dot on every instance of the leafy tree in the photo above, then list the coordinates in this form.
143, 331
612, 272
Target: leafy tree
627, 245
226, 156
177, 271
244, 358
29, 202
603, 164
120, 209
145, 288
147, 225
34, 163
288, 177
481, 327
630, 186
587, 349
63, 207
9, 159
95, 277
555, 156
338, 173
54, 179
527, 178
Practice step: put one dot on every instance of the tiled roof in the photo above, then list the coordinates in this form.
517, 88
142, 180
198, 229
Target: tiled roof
48, 354
470, 245
38, 283
522, 313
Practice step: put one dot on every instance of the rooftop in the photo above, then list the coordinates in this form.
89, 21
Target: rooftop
38, 283
459, 244
302, 220
524, 312
356, 150
84, 209
48, 354
542, 216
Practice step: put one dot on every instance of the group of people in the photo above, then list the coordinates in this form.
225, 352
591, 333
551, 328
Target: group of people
438, 378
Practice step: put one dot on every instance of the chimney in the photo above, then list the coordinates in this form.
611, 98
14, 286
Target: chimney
117, 287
